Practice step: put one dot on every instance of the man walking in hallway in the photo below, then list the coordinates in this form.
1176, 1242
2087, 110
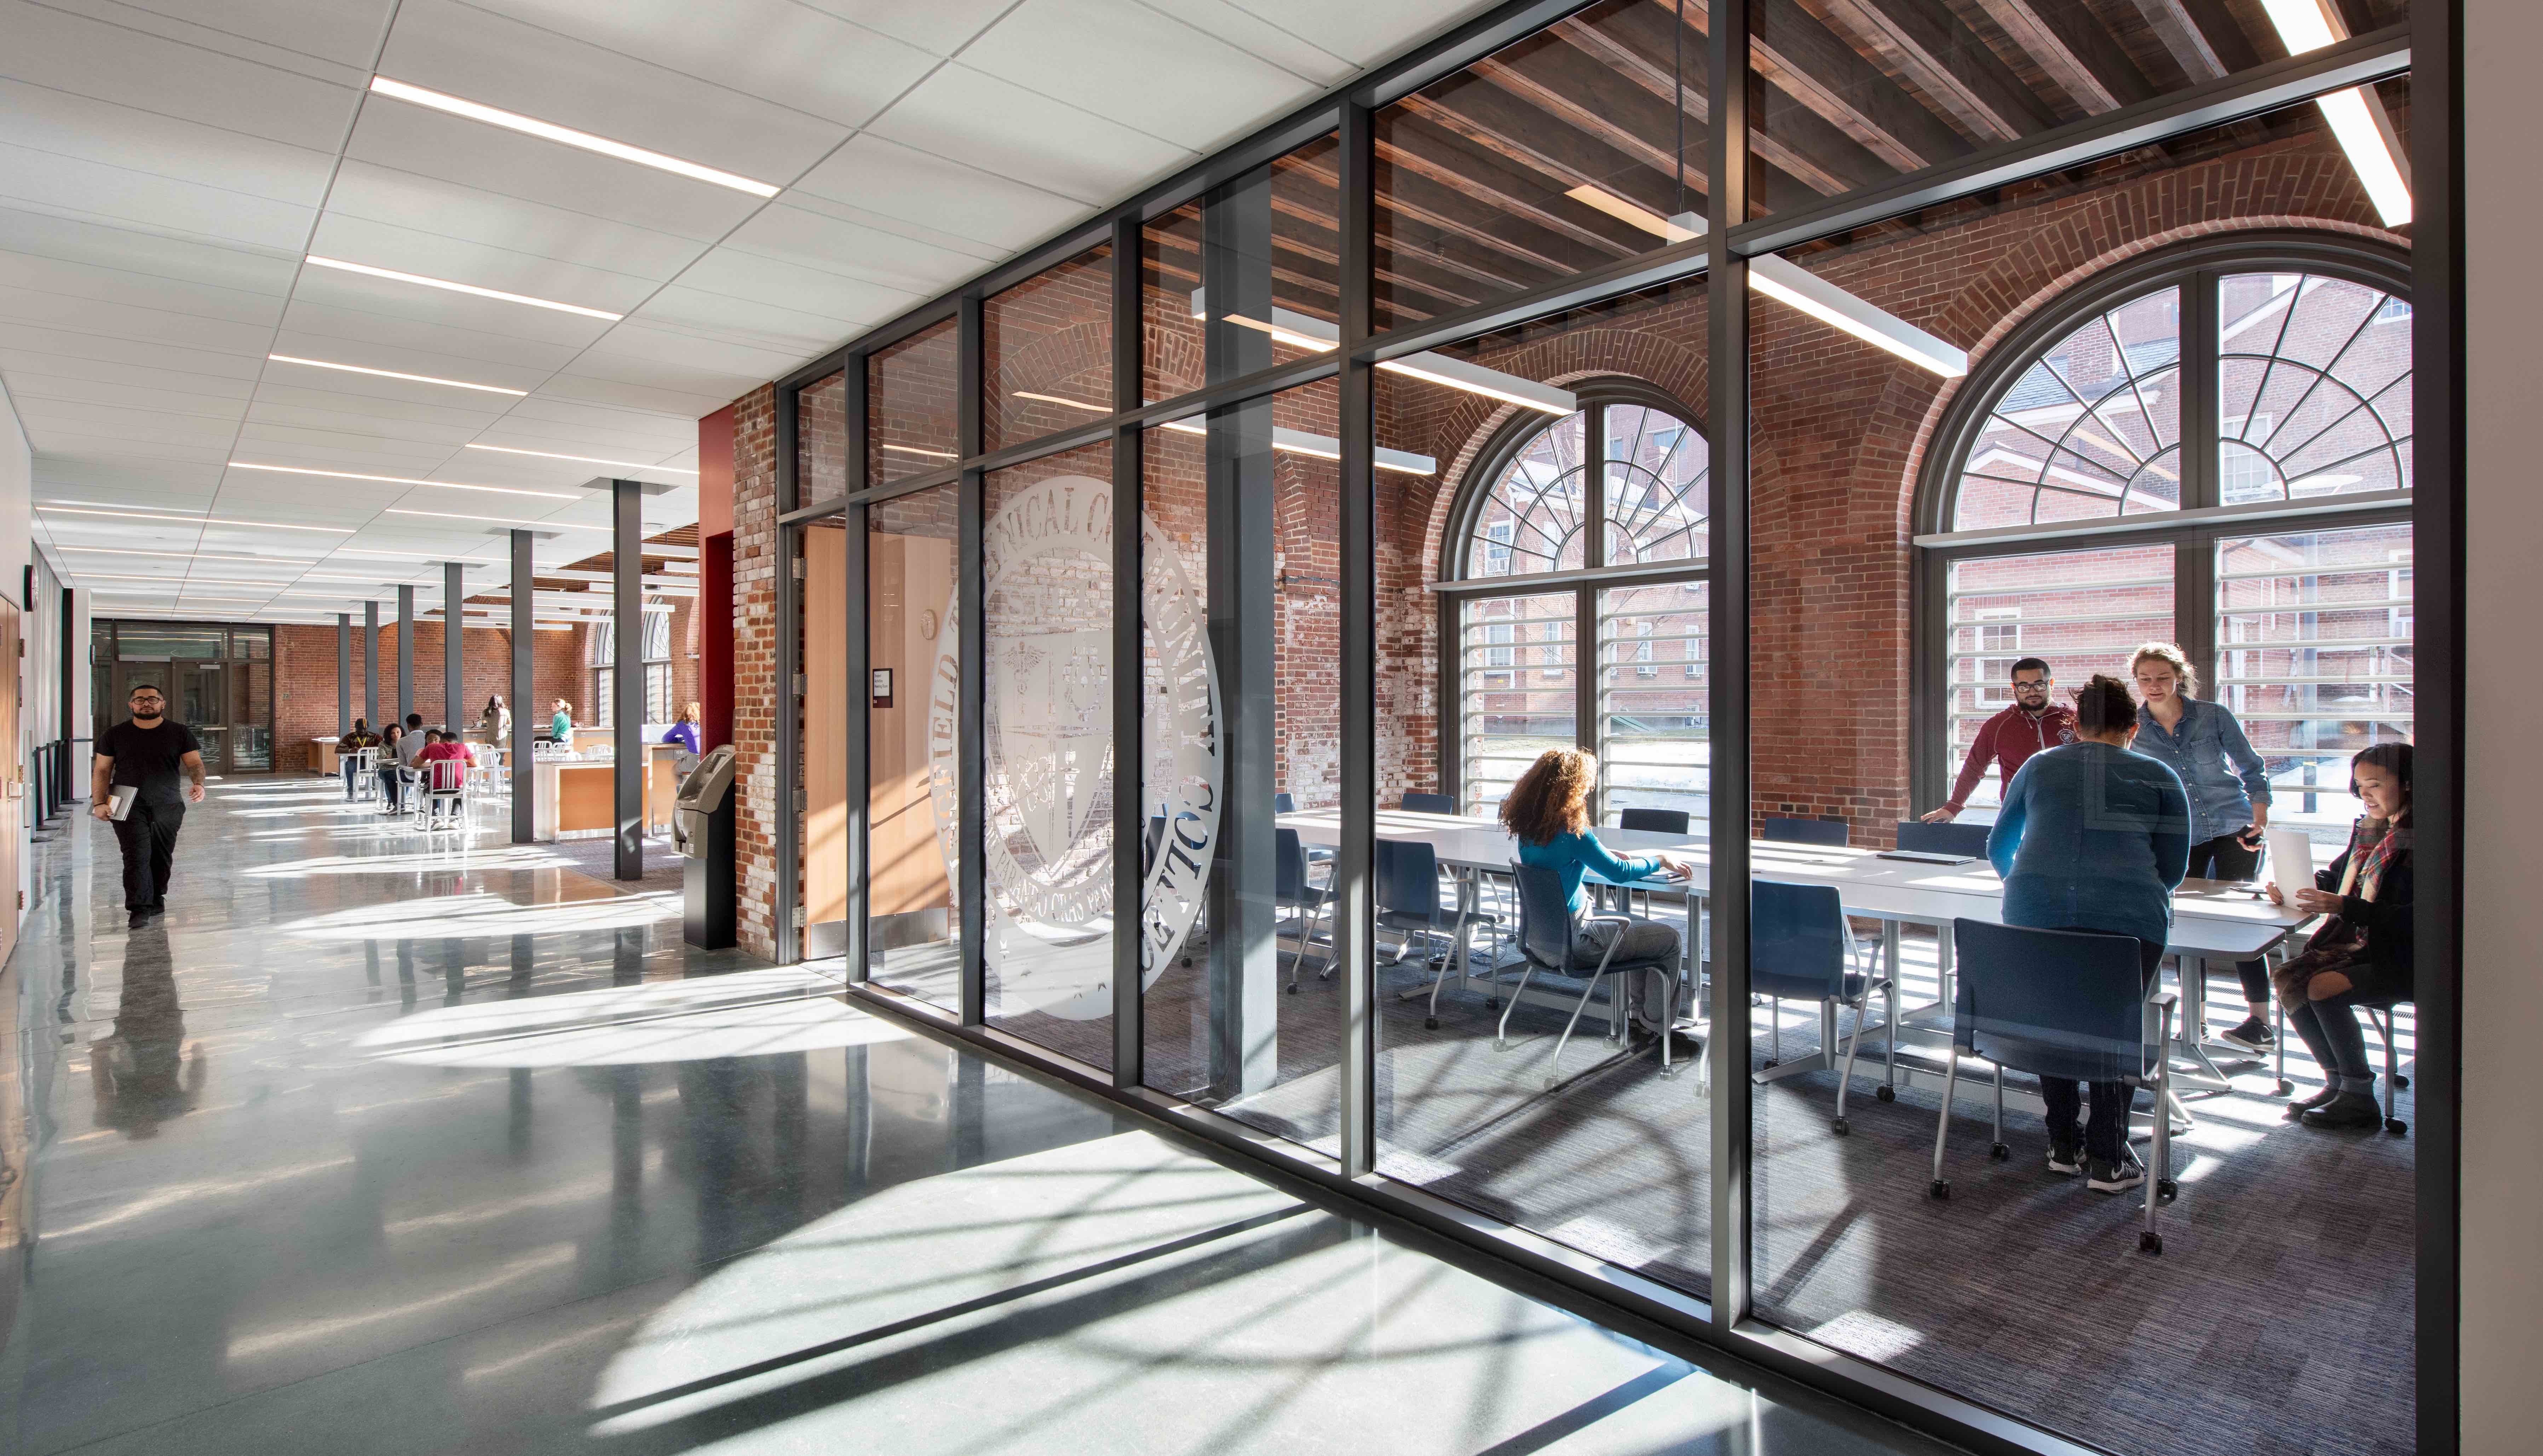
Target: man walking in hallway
145, 753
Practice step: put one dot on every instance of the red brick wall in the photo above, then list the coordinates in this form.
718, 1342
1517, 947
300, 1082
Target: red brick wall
304, 679
756, 682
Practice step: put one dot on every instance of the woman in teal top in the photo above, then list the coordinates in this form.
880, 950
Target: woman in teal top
560, 726
1548, 813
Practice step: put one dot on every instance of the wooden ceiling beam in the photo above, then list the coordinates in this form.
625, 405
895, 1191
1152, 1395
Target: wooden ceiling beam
1948, 63
1810, 63
2077, 52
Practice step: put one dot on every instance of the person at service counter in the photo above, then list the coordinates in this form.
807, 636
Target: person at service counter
146, 753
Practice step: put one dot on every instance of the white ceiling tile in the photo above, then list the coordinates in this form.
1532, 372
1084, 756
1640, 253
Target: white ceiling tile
852, 250
1250, 32
67, 124
380, 194
120, 444
788, 53
124, 321
378, 341
41, 391
133, 68
968, 116
735, 273
67, 187
501, 62
108, 247
73, 344
437, 256
654, 399
886, 176
83, 281
789, 333
432, 144
23, 366
344, 31
940, 26
1359, 32
1119, 59
278, 393
277, 442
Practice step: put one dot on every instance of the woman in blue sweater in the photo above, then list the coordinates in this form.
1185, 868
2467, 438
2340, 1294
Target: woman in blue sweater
2093, 837
1548, 813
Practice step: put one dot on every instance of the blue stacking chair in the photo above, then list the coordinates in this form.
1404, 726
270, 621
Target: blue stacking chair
1660, 820
1968, 840
1801, 949
2380, 1013
1806, 831
1429, 803
2058, 1003
1547, 933
1291, 891
1287, 803
1408, 900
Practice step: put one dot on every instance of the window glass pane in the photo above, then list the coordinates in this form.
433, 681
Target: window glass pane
909, 406
1853, 93
1554, 156
1242, 621
822, 440
1267, 242
821, 857
604, 697
151, 640
1655, 737
2314, 655
914, 796
1047, 352
2315, 378
2081, 612
1536, 517
1047, 573
2091, 429
1658, 473
1517, 691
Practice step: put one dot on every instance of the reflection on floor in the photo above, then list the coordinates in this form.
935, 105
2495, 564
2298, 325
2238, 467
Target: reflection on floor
375, 1147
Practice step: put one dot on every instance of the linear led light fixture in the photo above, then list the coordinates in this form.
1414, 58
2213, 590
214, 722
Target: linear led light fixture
413, 555
401, 480
450, 515
1323, 447
394, 374
1306, 331
550, 131
212, 555
1790, 283
2356, 115
394, 276
207, 581
936, 454
594, 459
196, 520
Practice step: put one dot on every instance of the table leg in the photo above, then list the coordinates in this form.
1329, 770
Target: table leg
2204, 1075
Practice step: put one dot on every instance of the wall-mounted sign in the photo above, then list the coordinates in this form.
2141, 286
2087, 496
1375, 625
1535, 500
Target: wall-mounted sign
883, 687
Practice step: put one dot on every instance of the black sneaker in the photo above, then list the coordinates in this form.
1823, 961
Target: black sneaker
2349, 1111
2252, 1036
2115, 1178
2302, 1106
2065, 1159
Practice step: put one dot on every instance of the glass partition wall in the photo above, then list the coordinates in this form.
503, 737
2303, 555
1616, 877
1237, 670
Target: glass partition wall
1335, 483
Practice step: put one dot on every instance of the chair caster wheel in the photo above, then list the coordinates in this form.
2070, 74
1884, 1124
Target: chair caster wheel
1771, 1065
1885, 1093
1293, 988
2166, 1191
2396, 1126
1840, 1128
1186, 963
1430, 1023
1999, 1152
2285, 1087
1494, 1004
2150, 1242
1941, 1187
2401, 1083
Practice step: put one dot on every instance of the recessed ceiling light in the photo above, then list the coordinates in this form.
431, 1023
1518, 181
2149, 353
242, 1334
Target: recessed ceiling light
207, 581
496, 116
595, 460
496, 520
2355, 115
401, 480
196, 520
217, 556
394, 374
419, 280
415, 554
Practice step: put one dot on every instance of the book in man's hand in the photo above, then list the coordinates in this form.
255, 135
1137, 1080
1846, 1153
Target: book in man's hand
120, 801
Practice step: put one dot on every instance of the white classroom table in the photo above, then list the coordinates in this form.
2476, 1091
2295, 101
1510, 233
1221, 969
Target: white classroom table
2212, 920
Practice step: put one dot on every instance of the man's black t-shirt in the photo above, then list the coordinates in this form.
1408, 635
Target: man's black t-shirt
147, 758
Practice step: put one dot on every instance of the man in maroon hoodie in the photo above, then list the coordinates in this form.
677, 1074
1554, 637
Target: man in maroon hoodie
2031, 725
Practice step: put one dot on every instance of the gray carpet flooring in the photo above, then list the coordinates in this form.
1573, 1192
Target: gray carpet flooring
2278, 1320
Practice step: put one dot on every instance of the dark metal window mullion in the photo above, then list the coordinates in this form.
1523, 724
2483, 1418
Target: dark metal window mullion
789, 766
971, 711
1727, 780
1354, 924
1585, 601
1129, 748
856, 639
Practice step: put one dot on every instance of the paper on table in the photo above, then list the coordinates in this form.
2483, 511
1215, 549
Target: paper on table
2290, 859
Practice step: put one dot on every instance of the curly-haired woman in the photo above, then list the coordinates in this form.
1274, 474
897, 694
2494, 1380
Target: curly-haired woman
1548, 813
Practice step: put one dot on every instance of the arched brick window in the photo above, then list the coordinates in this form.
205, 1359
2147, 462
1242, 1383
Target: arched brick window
1534, 552
2210, 445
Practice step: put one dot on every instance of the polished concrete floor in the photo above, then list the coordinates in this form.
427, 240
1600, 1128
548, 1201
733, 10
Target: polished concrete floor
374, 1145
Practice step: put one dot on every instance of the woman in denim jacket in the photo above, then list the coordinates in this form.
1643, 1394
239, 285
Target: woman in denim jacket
2229, 793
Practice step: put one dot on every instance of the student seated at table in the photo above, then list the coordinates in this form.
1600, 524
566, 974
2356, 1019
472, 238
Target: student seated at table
2363, 952
1548, 813
2094, 838
440, 747
351, 743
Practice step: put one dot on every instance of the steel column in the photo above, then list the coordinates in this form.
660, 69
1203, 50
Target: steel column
344, 673
627, 676
1129, 680
454, 591
971, 690
372, 661
855, 597
1354, 913
525, 784
406, 653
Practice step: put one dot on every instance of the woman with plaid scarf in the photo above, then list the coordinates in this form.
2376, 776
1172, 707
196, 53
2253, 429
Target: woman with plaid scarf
2361, 953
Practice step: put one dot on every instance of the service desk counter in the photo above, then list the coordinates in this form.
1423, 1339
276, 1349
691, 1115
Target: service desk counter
322, 756
577, 797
